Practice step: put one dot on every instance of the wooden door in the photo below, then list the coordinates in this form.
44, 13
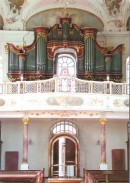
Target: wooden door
118, 159
11, 160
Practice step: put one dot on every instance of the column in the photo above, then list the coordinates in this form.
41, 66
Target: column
129, 148
0, 145
61, 157
24, 165
103, 164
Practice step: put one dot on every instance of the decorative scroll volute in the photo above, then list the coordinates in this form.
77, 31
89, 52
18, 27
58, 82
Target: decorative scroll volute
13, 48
54, 45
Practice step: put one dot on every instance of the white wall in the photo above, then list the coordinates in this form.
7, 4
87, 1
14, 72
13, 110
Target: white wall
39, 134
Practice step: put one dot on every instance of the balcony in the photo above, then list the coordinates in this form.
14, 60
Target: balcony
64, 97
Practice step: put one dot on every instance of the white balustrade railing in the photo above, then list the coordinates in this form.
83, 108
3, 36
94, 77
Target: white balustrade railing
51, 85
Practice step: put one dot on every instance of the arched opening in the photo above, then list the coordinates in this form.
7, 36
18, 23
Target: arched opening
65, 69
64, 150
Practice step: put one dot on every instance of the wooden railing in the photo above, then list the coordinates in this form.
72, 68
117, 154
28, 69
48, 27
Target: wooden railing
22, 176
106, 176
64, 84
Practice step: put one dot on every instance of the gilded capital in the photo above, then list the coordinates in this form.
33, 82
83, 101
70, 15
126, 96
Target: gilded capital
102, 121
25, 120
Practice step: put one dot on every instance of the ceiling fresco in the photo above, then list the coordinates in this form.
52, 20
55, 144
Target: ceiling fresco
105, 15
45, 19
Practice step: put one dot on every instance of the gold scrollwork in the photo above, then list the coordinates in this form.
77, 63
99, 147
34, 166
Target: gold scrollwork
53, 47
41, 34
12, 79
86, 36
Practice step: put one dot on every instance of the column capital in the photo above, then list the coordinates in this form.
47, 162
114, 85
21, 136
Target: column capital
102, 121
25, 120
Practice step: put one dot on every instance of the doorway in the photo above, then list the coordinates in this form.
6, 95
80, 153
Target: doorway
64, 152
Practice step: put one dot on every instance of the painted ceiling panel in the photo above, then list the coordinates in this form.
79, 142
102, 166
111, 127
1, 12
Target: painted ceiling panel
105, 15
48, 18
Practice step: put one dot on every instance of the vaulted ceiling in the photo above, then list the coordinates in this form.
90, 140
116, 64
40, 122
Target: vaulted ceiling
105, 15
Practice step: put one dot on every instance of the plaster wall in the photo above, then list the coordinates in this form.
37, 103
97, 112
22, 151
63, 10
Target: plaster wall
39, 136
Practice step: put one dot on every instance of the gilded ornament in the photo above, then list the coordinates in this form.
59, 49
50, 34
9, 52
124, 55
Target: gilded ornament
102, 120
26, 120
86, 36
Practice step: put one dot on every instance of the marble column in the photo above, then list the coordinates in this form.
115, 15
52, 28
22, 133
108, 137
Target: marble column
103, 164
129, 149
24, 165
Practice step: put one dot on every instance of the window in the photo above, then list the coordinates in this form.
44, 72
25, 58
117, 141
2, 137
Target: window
66, 71
66, 65
64, 127
128, 70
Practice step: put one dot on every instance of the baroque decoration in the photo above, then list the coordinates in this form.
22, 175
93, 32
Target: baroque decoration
113, 6
15, 8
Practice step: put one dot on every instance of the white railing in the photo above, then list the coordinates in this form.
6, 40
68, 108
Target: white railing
51, 85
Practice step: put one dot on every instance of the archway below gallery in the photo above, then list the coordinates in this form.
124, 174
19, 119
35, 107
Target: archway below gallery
64, 150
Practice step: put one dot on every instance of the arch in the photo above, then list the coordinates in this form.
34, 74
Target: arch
88, 18
65, 68
71, 138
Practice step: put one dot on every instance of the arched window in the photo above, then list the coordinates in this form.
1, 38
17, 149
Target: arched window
64, 127
66, 65
128, 70
66, 72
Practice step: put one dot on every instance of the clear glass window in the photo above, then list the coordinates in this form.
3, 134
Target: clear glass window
64, 127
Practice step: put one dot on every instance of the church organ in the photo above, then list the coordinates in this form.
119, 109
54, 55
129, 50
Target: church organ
38, 60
